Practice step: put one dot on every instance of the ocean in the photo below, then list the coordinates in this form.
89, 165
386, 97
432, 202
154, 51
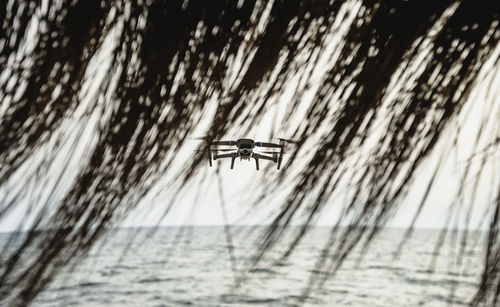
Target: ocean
195, 266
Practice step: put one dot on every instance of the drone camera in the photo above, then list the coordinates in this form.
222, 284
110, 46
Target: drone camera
245, 151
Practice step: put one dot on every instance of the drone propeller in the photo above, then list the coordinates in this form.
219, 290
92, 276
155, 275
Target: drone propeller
215, 149
203, 138
210, 140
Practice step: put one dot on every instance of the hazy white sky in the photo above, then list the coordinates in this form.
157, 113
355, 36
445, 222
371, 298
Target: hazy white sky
239, 184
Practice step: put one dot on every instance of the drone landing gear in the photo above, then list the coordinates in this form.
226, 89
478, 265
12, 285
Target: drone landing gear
282, 149
256, 162
232, 161
257, 157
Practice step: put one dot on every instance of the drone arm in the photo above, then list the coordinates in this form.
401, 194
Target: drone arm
229, 155
273, 158
232, 155
205, 151
257, 156
264, 144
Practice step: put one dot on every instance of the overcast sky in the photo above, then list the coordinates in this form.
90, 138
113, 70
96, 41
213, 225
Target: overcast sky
240, 184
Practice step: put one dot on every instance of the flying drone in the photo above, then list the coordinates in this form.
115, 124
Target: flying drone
245, 150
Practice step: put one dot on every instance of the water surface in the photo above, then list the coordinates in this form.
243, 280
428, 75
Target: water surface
191, 267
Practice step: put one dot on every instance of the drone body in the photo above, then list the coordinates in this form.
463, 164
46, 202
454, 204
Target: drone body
245, 151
